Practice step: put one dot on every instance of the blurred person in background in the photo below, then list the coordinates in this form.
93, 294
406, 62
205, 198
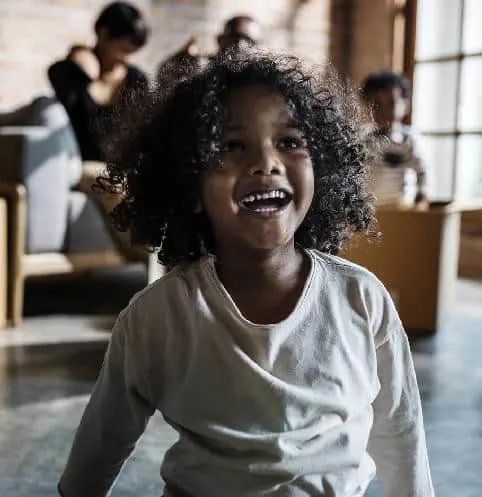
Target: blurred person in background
240, 33
91, 83
398, 177
90, 80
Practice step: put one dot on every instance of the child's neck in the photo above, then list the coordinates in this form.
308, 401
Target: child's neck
249, 268
264, 285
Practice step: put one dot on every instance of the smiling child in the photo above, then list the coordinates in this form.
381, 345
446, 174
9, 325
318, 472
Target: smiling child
284, 368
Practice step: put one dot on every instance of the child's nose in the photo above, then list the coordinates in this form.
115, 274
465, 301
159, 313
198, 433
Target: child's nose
266, 162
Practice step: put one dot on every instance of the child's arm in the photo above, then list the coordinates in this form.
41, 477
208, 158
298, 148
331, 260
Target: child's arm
397, 441
113, 421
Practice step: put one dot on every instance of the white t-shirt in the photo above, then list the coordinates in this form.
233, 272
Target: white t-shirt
304, 407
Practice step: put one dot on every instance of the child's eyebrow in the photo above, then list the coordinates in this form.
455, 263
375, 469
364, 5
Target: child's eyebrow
291, 124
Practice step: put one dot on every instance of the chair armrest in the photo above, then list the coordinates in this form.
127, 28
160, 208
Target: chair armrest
12, 191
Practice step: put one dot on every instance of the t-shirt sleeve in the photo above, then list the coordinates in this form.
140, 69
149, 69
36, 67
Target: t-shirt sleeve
397, 440
69, 82
113, 421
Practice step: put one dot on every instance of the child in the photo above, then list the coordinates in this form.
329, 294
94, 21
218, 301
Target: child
399, 178
284, 369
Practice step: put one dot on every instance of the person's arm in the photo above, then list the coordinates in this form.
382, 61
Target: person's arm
80, 74
113, 421
69, 82
397, 441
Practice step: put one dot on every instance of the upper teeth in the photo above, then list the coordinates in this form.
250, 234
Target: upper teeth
264, 196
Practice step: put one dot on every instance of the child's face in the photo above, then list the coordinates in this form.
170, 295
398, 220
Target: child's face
389, 107
262, 192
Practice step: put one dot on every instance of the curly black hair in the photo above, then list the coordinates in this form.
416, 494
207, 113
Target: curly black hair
160, 152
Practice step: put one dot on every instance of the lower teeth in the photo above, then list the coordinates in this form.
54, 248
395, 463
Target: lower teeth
265, 209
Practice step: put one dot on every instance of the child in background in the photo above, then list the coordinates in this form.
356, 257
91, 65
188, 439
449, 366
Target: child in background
399, 178
284, 368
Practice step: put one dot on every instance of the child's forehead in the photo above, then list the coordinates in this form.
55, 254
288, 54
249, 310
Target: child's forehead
257, 99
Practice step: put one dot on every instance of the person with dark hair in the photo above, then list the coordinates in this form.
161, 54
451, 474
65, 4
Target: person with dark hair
240, 33
122, 20
284, 368
399, 178
89, 81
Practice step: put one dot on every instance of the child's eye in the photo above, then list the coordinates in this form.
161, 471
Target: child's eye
233, 145
291, 142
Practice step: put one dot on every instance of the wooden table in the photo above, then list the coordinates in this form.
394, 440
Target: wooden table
3, 262
417, 260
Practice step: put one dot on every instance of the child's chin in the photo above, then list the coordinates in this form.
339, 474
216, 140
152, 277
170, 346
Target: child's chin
270, 244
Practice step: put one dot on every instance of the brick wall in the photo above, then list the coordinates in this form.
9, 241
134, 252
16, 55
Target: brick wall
33, 33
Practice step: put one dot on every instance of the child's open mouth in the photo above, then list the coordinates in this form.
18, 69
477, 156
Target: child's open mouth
266, 202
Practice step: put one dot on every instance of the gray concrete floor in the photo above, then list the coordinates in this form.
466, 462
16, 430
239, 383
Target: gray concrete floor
49, 365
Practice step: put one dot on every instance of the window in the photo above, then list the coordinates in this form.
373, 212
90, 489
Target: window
447, 94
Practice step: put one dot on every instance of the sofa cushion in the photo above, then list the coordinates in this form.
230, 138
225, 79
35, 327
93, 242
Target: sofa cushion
48, 112
87, 229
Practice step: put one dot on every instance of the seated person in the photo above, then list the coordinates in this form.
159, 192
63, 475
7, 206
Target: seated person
399, 177
89, 81
240, 33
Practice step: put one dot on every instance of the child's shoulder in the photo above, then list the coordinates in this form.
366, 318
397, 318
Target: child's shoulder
358, 288
355, 282
337, 267
174, 287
